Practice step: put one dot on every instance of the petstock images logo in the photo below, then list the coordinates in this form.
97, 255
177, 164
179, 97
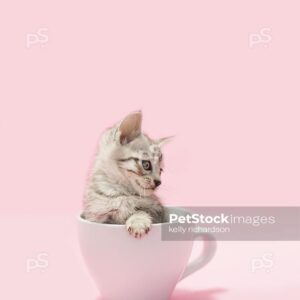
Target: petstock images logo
233, 223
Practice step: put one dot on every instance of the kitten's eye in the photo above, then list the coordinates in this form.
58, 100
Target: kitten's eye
146, 165
161, 170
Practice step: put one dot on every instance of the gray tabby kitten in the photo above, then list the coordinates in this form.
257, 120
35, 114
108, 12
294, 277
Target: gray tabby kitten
124, 177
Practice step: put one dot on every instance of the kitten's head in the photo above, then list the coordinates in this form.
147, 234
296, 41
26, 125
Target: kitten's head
130, 158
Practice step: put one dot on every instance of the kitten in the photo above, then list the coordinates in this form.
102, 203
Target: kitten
125, 174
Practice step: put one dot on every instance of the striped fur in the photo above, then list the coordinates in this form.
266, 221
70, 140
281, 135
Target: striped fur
123, 179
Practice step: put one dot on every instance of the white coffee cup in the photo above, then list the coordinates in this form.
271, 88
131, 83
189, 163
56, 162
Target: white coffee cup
149, 268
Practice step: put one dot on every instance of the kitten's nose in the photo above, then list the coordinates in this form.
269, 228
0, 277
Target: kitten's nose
157, 182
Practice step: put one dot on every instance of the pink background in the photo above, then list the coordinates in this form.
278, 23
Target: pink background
233, 107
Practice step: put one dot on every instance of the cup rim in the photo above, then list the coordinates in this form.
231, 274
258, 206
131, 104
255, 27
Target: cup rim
82, 220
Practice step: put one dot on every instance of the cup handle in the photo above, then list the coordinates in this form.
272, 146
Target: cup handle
209, 250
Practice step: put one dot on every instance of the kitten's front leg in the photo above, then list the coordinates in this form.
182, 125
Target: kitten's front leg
138, 224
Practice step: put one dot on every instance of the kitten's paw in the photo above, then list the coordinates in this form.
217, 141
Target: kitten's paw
138, 224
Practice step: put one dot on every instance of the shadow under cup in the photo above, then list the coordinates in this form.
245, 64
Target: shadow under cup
124, 267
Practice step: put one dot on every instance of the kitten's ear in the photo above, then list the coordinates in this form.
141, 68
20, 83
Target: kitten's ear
130, 127
161, 142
